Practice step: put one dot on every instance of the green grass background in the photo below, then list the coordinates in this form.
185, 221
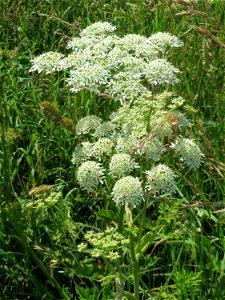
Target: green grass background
33, 151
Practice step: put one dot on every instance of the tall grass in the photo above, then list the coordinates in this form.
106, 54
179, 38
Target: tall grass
38, 256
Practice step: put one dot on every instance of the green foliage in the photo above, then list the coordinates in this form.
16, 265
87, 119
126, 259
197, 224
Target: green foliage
179, 239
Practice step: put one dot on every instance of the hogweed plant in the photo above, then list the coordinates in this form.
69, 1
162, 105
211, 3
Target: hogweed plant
125, 155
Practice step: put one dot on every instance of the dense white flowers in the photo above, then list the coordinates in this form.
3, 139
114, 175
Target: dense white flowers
79, 44
164, 40
89, 175
160, 180
153, 149
86, 150
75, 60
102, 62
98, 29
47, 62
88, 76
88, 124
139, 46
105, 129
82, 152
132, 67
128, 190
125, 69
189, 151
160, 71
125, 89
102, 147
126, 144
121, 165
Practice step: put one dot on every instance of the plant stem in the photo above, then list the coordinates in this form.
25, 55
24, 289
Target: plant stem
120, 221
135, 267
120, 281
141, 227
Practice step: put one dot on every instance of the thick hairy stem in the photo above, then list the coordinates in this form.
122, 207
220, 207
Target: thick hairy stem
120, 279
135, 267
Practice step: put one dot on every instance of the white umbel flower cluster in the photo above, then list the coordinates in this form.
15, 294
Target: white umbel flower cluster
98, 150
126, 144
164, 40
48, 62
103, 62
102, 147
189, 151
88, 124
128, 190
121, 165
153, 149
160, 71
160, 180
98, 28
82, 153
89, 175
139, 46
105, 129
88, 76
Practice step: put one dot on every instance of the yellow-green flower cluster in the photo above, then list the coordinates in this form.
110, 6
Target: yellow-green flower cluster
105, 244
45, 201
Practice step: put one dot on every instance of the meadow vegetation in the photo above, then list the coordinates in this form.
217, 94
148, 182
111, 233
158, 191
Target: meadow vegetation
109, 192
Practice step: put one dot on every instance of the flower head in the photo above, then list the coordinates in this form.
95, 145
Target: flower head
139, 46
126, 144
47, 62
189, 151
101, 147
160, 180
88, 76
153, 149
160, 71
164, 40
123, 88
104, 129
105, 244
98, 29
88, 124
82, 152
128, 190
121, 165
89, 175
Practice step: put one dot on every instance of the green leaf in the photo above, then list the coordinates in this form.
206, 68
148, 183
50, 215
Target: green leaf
106, 214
